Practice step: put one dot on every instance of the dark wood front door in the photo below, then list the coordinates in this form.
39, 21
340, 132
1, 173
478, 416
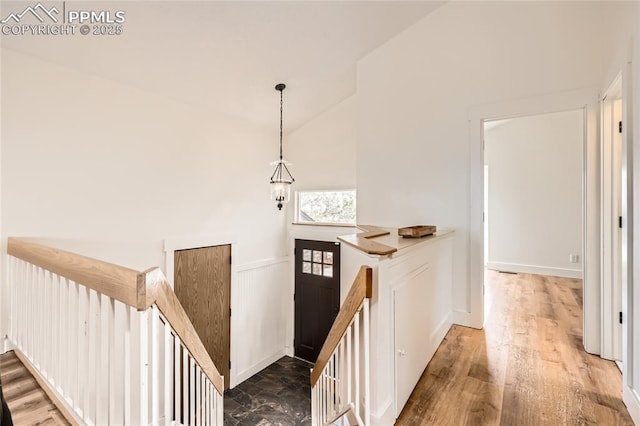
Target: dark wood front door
203, 285
317, 295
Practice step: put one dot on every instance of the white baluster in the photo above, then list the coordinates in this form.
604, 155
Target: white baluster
41, 353
128, 340
322, 397
26, 312
104, 342
198, 396
93, 342
54, 303
349, 363
50, 329
185, 387
177, 406
73, 322
26, 302
12, 293
20, 301
332, 392
83, 349
168, 373
117, 376
219, 408
87, 354
15, 293
341, 374
30, 313
37, 316
155, 366
192, 392
145, 365
325, 394
63, 290
356, 361
314, 405
207, 403
367, 393
39, 331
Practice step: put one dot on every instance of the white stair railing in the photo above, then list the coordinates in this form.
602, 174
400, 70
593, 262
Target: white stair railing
113, 344
340, 379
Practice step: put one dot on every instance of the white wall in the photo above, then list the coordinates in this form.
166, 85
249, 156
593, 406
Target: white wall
323, 150
323, 156
535, 193
416, 91
88, 160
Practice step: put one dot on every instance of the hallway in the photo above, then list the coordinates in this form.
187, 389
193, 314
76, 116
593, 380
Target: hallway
527, 367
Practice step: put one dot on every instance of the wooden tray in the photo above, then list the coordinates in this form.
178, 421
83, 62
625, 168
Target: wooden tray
417, 231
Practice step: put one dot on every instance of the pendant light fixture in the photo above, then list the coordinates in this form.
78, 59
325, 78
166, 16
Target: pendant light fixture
281, 178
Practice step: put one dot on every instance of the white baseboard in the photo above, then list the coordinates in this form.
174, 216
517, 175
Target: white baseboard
236, 379
384, 414
632, 401
289, 351
538, 270
466, 319
441, 330
8, 345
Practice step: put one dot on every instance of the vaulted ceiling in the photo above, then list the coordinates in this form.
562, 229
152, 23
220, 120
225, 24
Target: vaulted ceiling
227, 56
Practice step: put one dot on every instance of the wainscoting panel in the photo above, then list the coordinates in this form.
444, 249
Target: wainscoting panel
260, 311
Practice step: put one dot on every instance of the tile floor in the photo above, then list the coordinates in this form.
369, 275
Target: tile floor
278, 395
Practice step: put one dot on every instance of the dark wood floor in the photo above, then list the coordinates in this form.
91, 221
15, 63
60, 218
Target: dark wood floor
527, 367
28, 403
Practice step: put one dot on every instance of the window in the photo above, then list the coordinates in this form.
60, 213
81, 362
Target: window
320, 263
326, 207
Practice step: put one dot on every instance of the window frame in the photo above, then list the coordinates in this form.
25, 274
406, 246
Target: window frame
296, 215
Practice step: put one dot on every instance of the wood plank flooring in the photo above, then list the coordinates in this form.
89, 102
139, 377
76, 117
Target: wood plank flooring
526, 367
28, 403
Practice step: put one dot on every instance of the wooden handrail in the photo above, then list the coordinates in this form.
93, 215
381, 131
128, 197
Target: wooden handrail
363, 241
136, 289
361, 289
111, 280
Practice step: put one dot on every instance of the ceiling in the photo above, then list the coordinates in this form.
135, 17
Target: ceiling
228, 56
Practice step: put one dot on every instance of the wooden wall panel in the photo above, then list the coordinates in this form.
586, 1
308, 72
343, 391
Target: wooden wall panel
203, 286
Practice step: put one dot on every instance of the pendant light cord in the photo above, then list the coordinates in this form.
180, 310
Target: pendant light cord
281, 125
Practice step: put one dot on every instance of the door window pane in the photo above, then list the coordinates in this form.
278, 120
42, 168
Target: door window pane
328, 258
317, 269
306, 255
317, 256
328, 271
306, 267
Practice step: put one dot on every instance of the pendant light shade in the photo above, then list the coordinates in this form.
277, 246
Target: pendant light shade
281, 178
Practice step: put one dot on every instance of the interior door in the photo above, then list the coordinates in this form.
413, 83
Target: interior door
202, 283
317, 295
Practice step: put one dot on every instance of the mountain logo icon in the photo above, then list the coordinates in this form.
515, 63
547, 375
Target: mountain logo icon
39, 11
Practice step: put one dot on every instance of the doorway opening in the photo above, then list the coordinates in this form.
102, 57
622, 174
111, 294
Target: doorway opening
535, 223
317, 295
